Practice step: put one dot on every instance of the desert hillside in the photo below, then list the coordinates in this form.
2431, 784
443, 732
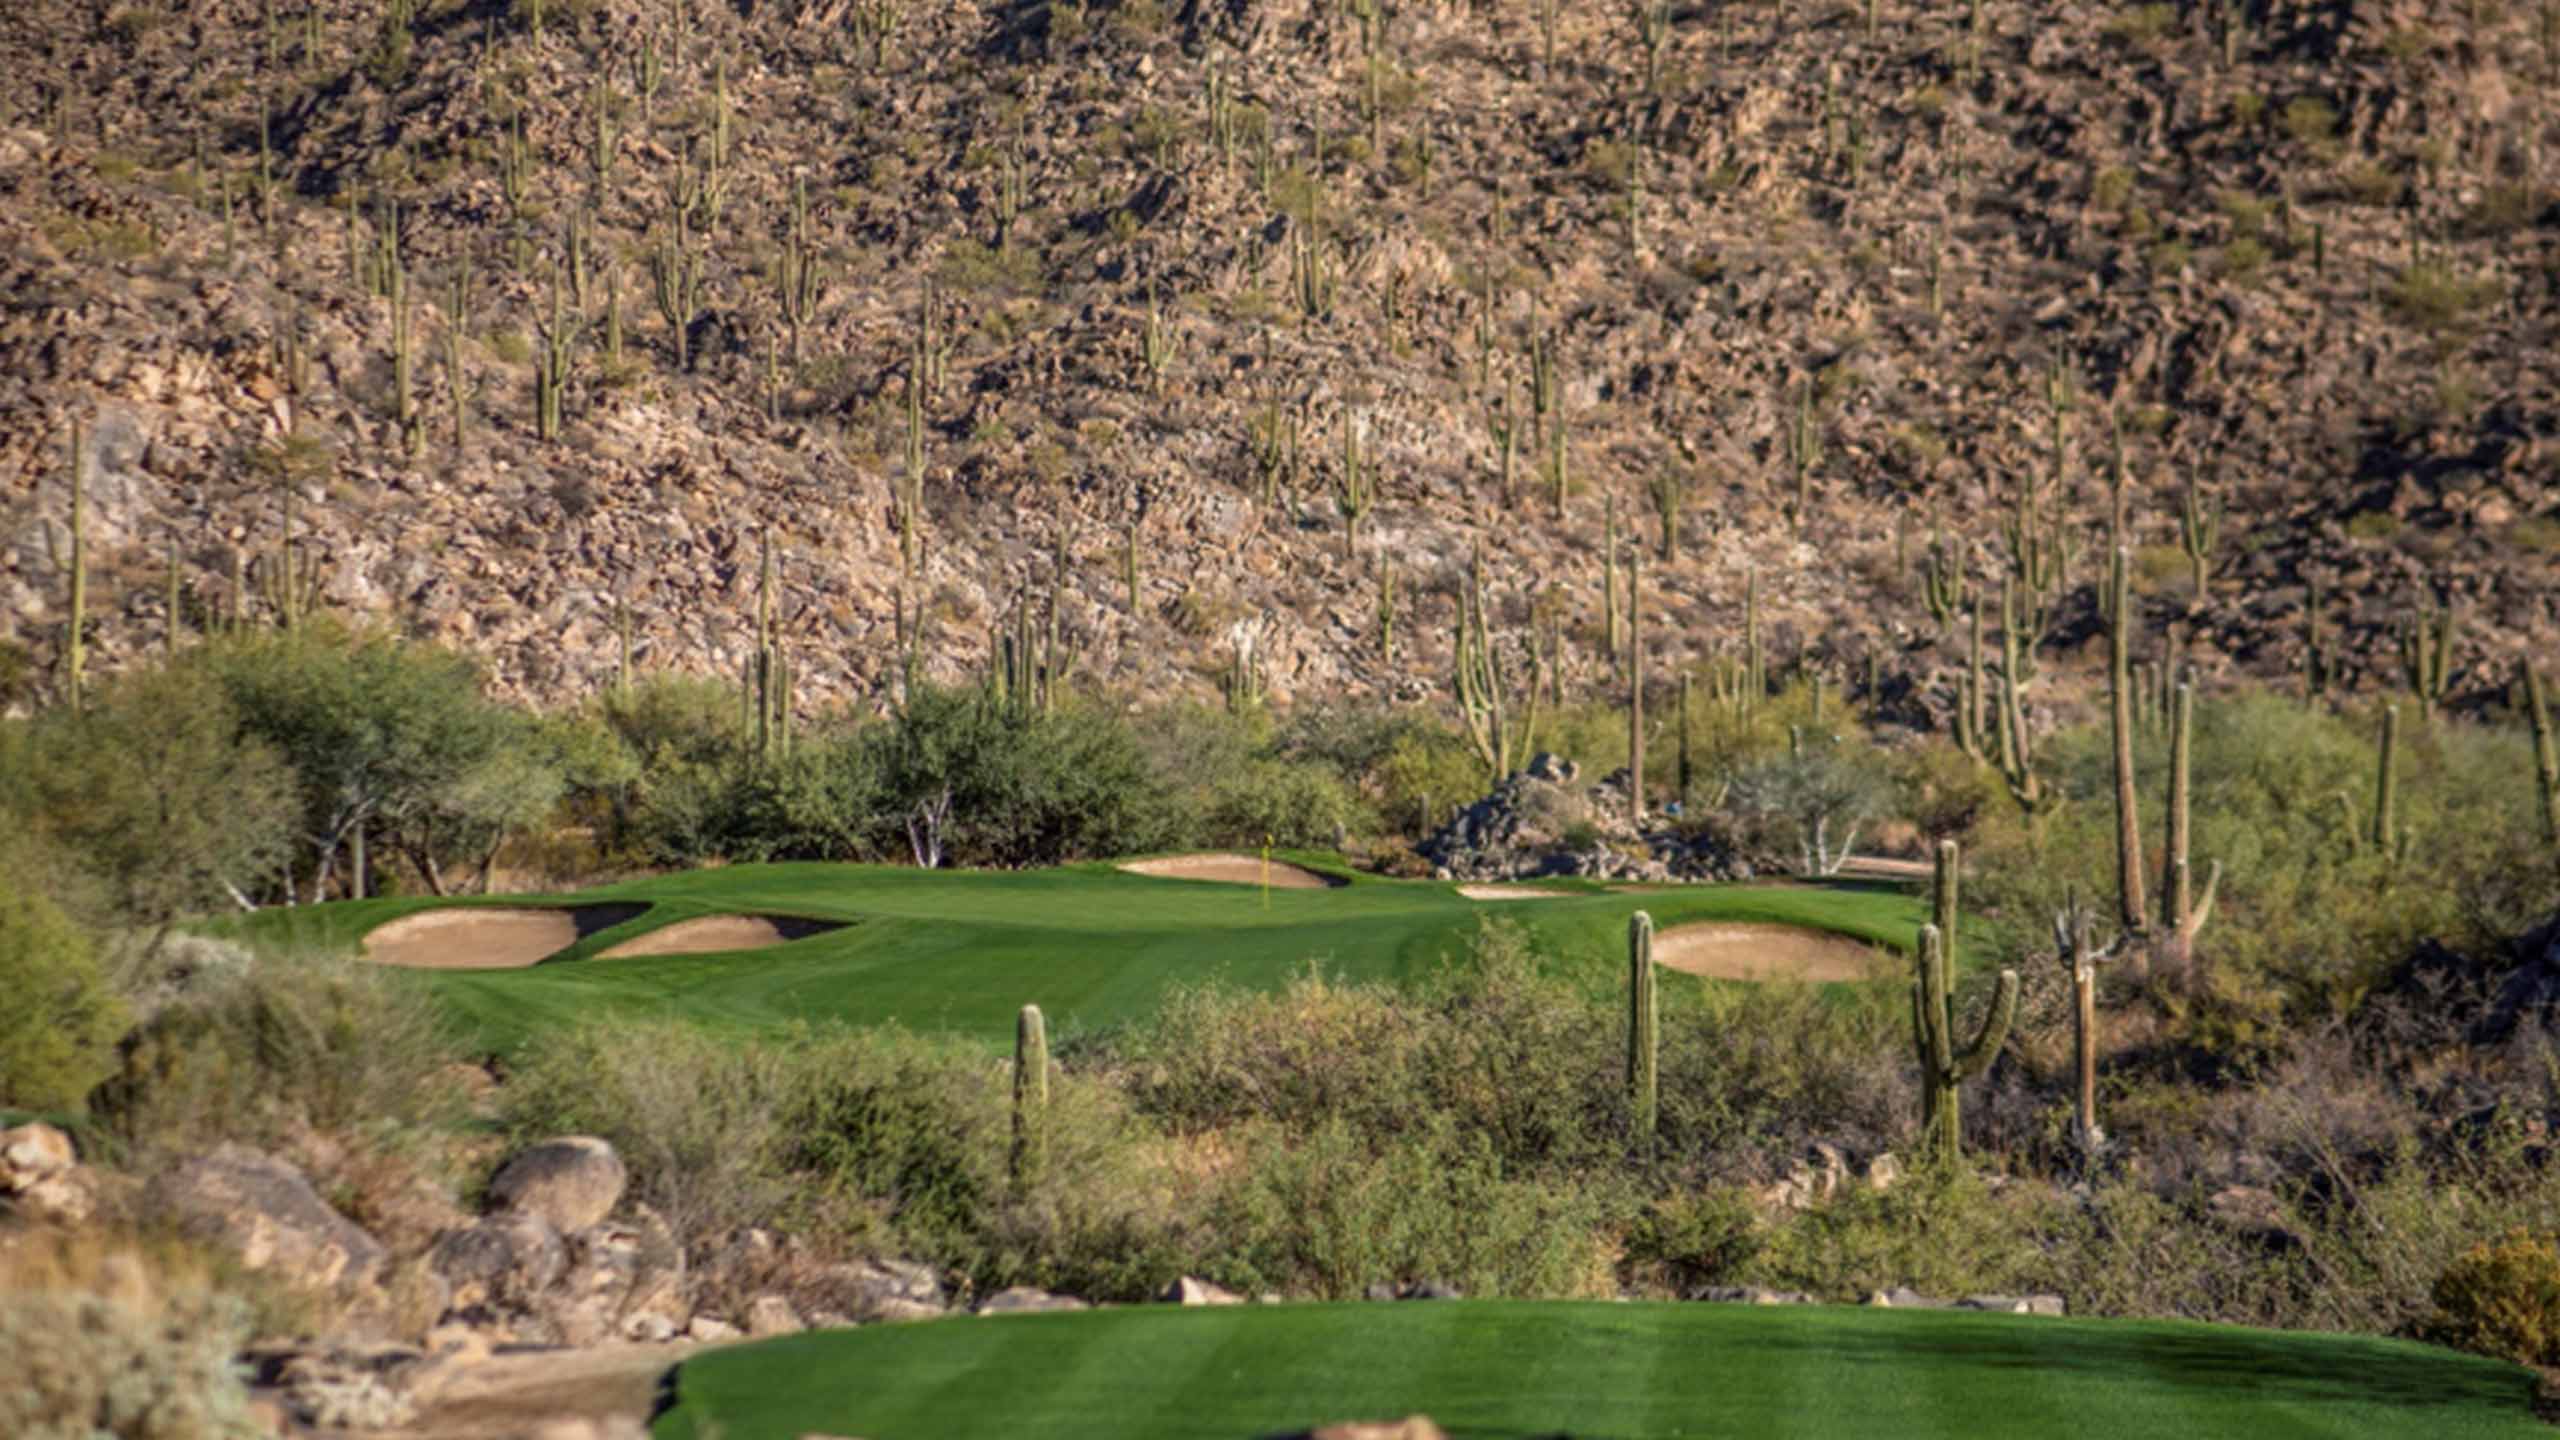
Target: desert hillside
1249, 323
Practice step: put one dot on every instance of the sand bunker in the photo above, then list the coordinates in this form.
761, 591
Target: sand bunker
720, 932
1511, 892
476, 937
1727, 951
1232, 870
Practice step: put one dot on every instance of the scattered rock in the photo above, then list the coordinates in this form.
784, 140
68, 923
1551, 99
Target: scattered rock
506, 1261
1541, 821
41, 1178
1752, 1295
1411, 1427
1902, 1297
266, 1212
1188, 1291
572, 1182
1022, 1298
710, 1331
771, 1315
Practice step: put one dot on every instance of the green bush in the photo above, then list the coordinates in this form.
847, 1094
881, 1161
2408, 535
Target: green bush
1688, 1239
2501, 1299
83, 1367
58, 1030
293, 1042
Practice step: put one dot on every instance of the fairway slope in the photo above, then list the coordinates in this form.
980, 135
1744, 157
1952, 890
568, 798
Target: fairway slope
480, 937
1590, 1370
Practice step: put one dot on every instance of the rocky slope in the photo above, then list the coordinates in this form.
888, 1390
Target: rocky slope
2298, 256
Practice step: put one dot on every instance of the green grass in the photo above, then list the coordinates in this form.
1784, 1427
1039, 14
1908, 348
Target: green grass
1094, 946
1517, 1369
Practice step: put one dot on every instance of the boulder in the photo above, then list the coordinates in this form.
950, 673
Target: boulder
266, 1212
505, 1262
1022, 1298
1188, 1291
878, 1289
1902, 1297
572, 1182
771, 1315
710, 1331
1753, 1295
29, 1153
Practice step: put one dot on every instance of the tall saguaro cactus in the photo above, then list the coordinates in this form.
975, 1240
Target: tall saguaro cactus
2386, 782
2132, 909
2546, 755
1635, 687
73, 560
2188, 910
1644, 1033
1030, 1154
1944, 1065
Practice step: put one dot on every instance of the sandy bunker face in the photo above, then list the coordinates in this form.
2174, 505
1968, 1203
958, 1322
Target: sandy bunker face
720, 932
1511, 892
476, 937
1232, 870
1735, 951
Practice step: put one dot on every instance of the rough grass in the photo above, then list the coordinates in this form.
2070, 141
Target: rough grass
1493, 1369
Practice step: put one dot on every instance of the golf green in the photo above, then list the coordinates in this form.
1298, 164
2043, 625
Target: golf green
1591, 1370
1093, 945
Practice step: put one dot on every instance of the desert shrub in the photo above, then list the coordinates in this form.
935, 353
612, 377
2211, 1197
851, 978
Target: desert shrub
1328, 1215
1941, 1233
1690, 1238
58, 1031
2501, 1299
2311, 913
299, 1040
86, 1366
1425, 776
1810, 801
1021, 789
871, 1141
1284, 802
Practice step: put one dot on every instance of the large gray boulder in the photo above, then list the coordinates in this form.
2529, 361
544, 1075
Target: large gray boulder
504, 1262
266, 1212
572, 1182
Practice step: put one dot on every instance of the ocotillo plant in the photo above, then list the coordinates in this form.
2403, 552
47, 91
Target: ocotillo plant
2188, 911
2426, 656
1609, 575
1684, 771
2386, 783
2199, 532
2131, 910
73, 561
2017, 752
2546, 755
1356, 489
1943, 1064
1030, 1154
1644, 1034
1484, 684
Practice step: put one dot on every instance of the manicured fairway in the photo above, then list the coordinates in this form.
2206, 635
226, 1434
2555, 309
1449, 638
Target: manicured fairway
1092, 945
1485, 1369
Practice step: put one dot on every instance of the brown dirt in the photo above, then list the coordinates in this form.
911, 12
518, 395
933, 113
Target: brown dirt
507, 1397
1231, 870
471, 937
720, 932
1511, 892
1729, 951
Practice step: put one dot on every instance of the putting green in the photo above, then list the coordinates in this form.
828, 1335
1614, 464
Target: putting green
1093, 945
1587, 1369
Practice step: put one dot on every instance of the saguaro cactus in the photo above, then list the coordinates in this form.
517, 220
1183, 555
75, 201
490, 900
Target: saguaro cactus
1644, 1033
73, 560
1635, 687
2188, 911
1943, 1064
2386, 782
2081, 958
2132, 909
1942, 892
2426, 656
1030, 1153
2546, 755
